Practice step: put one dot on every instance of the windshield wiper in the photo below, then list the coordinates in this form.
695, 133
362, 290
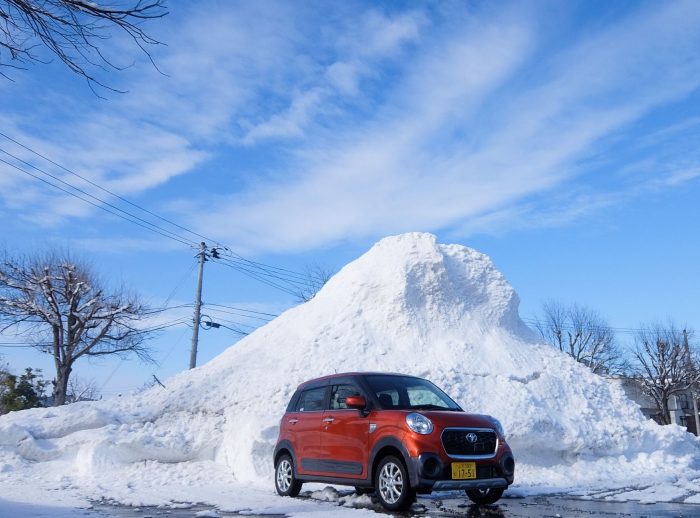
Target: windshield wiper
431, 407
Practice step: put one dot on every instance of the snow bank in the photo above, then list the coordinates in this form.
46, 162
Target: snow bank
408, 305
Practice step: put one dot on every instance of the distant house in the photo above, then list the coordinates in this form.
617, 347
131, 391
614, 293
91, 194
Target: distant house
680, 406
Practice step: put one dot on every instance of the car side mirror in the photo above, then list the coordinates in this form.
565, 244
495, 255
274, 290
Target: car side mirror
358, 402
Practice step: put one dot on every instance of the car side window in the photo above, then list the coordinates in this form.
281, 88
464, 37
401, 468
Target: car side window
388, 398
311, 400
339, 393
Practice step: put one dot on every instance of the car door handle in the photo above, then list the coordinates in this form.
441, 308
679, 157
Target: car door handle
328, 420
293, 421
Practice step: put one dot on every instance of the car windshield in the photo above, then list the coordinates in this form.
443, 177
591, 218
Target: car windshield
407, 392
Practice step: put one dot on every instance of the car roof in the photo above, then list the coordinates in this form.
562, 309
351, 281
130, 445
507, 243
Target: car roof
319, 381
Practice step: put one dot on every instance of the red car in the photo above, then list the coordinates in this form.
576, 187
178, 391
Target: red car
393, 434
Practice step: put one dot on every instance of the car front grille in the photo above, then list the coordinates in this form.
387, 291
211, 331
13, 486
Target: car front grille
456, 443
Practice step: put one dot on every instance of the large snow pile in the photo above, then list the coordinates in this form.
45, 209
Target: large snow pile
408, 305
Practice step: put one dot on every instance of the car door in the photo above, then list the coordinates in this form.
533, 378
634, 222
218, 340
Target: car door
344, 436
305, 425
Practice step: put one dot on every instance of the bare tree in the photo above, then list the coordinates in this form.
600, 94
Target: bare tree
583, 334
62, 309
82, 390
316, 278
72, 30
666, 363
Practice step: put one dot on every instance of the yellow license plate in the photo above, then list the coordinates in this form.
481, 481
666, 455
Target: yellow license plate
463, 470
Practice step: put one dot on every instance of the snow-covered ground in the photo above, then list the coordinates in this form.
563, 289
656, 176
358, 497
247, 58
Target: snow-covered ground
408, 305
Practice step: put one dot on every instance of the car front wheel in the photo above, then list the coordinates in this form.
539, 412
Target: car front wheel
285, 481
392, 485
485, 496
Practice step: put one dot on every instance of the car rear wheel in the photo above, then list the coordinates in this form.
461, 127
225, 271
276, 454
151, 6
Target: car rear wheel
285, 481
485, 496
392, 485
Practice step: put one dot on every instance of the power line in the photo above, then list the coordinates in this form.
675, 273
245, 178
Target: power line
273, 315
234, 330
125, 200
257, 264
172, 348
252, 267
100, 200
233, 322
166, 325
237, 313
256, 270
149, 312
180, 283
140, 207
94, 204
258, 277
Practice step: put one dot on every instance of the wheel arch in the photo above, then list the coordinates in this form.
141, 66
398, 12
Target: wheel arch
390, 446
282, 448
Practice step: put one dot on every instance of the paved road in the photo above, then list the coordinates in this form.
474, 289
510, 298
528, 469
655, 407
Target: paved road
555, 507
531, 507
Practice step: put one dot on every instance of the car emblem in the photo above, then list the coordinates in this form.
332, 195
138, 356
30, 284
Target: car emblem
471, 437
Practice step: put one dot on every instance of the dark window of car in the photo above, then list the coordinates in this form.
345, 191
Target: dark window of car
339, 393
311, 400
407, 392
293, 402
388, 398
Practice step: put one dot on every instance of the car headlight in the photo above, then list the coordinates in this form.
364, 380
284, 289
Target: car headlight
419, 423
499, 427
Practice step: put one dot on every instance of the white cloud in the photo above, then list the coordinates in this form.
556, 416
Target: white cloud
360, 46
680, 177
462, 135
385, 120
123, 156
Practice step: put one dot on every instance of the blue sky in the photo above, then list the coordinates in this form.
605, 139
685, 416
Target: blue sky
559, 138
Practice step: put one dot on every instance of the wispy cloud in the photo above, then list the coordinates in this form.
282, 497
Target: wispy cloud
465, 131
378, 120
362, 44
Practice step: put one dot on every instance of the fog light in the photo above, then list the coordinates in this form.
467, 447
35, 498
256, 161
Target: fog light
509, 465
431, 468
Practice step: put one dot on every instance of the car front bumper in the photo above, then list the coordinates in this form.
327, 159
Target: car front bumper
485, 483
430, 472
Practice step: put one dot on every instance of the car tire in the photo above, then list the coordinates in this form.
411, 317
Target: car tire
286, 482
392, 485
485, 496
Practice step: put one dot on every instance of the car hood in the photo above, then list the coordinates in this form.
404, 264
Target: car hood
447, 419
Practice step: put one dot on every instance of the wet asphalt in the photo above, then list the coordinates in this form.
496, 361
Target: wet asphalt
529, 507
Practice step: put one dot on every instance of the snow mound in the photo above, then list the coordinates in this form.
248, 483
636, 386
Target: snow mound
409, 305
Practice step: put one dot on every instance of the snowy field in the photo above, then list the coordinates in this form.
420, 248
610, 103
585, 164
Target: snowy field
408, 305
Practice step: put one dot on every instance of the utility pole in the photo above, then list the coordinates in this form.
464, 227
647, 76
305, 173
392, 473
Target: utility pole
198, 305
